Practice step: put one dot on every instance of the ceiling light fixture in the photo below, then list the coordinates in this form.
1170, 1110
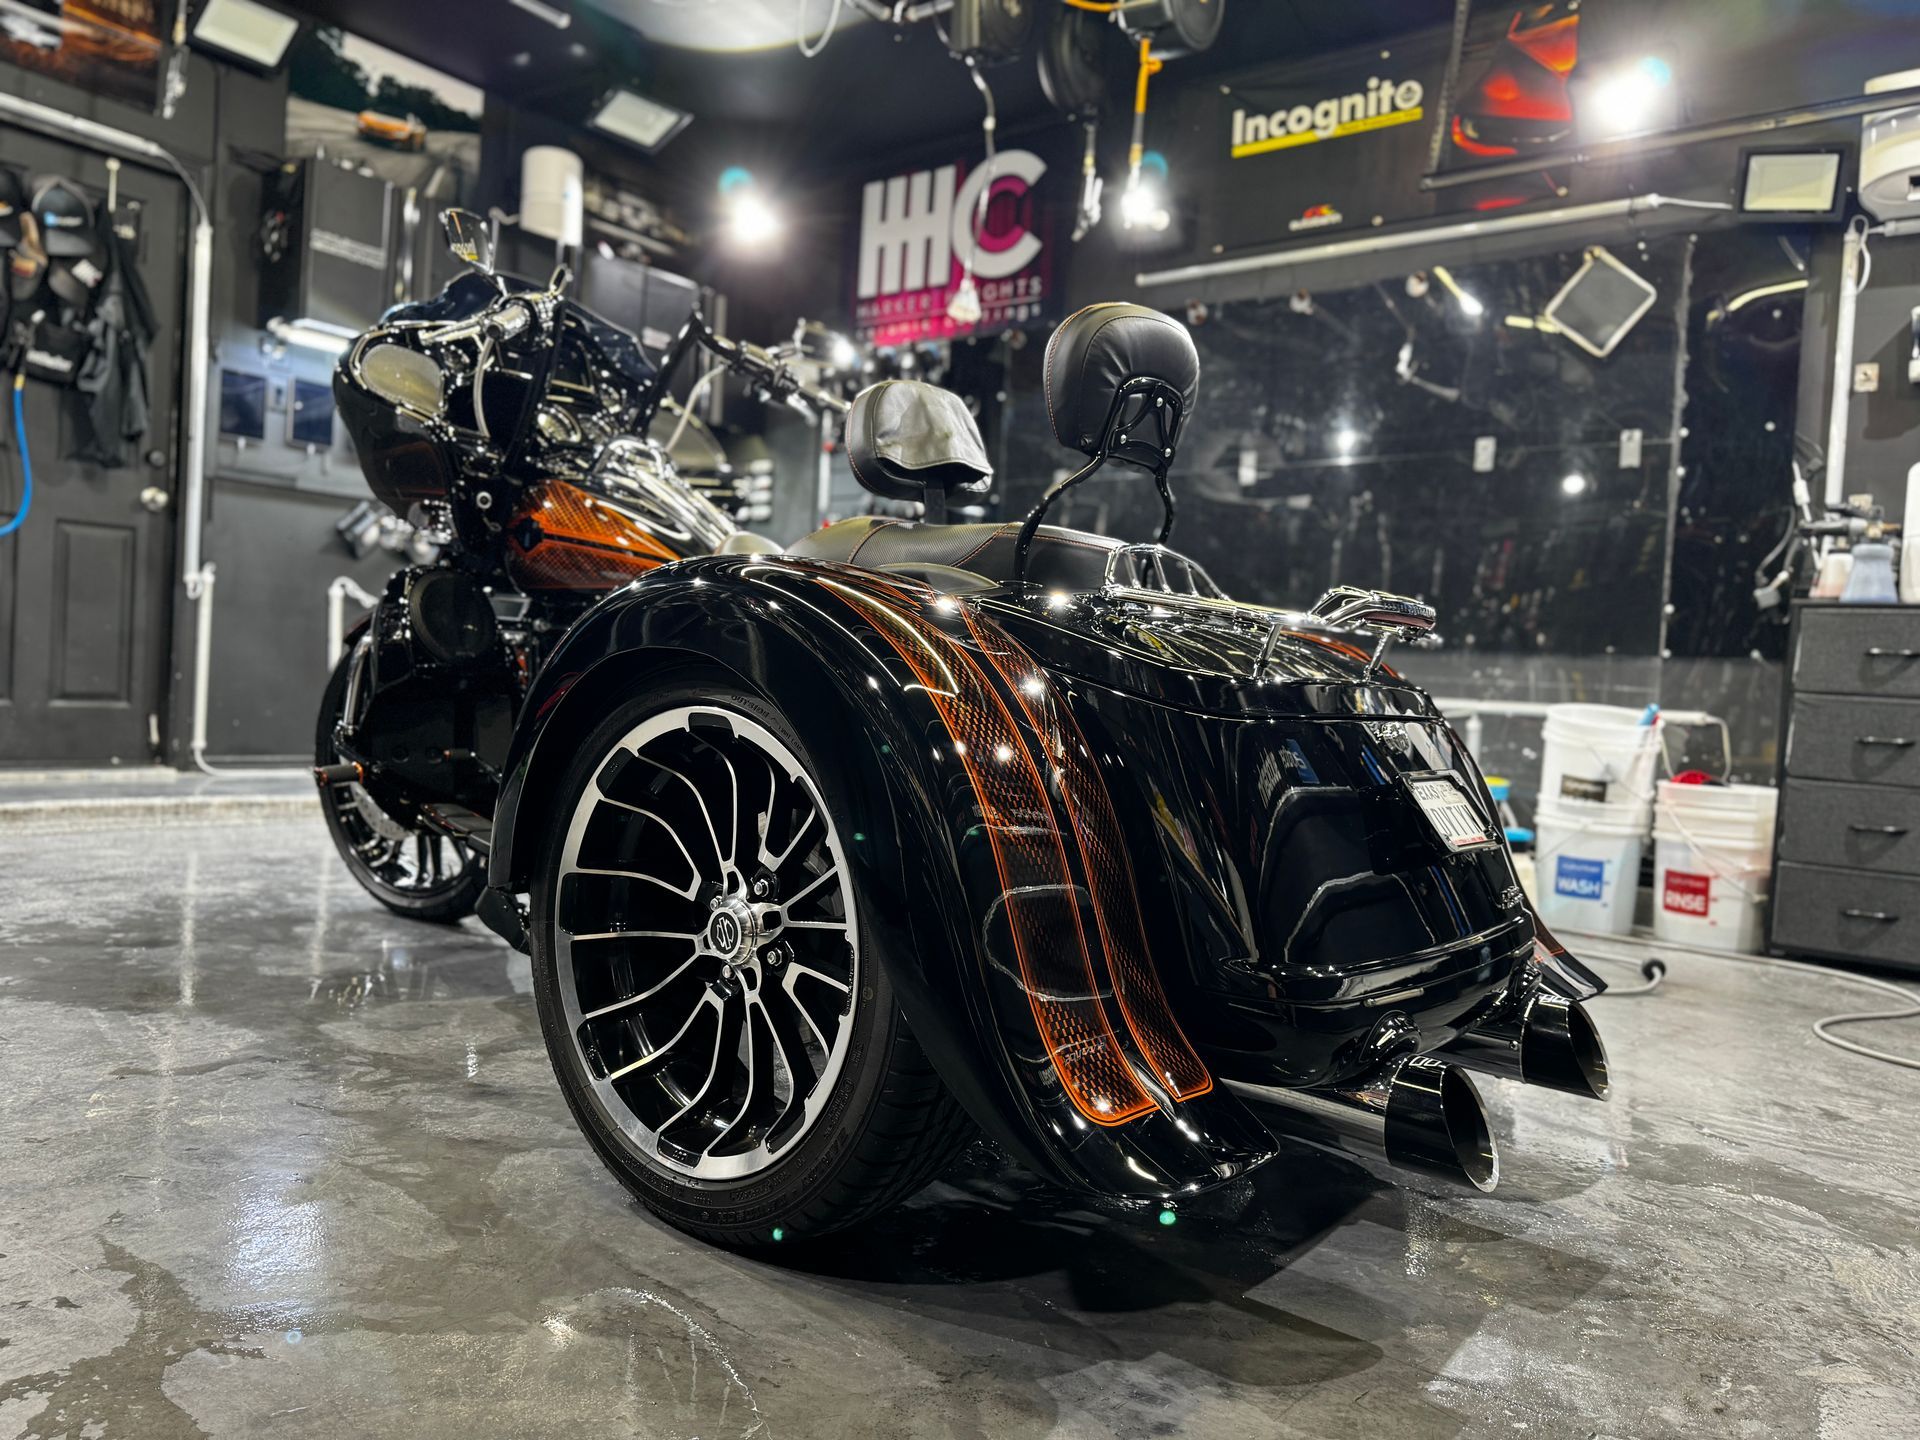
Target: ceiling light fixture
1630, 100
254, 34
1573, 484
643, 123
553, 15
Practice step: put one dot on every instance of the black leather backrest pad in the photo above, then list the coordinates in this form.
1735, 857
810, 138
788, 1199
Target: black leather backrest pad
1096, 351
904, 435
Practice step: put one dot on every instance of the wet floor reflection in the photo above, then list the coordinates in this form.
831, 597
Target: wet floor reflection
275, 1161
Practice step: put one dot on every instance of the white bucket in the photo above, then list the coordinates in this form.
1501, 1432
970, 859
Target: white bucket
1588, 866
1713, 857
1597, 755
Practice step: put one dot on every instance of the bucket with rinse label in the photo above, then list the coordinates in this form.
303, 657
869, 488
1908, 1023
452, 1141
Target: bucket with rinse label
1713, 859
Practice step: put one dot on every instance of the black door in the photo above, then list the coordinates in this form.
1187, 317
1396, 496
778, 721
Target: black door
85, 581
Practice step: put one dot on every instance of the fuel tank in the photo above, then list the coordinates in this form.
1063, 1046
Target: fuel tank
1323, 876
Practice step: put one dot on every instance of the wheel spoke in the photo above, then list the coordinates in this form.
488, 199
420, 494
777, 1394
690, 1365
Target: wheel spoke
672, 834
686, 894
632, 935
793, 999
713, 834
722, 1033
759, 1066
653, 1057
776, 862
644, 995
812, 885
795, 967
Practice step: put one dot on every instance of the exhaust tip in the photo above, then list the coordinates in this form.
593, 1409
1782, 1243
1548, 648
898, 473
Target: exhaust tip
1468, 1130
1562, 1049
1437, 1123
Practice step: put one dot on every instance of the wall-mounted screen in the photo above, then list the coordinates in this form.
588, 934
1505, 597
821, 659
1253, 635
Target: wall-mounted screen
243, 405
311, 422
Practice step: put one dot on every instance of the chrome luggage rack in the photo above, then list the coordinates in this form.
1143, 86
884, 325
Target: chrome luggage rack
1154, 569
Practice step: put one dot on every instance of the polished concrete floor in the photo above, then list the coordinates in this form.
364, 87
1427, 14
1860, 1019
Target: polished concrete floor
275, 1163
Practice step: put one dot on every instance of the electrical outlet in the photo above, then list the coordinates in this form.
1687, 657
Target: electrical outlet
1866, 377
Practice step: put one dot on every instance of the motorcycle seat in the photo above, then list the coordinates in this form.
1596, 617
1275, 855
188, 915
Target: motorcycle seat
956, 558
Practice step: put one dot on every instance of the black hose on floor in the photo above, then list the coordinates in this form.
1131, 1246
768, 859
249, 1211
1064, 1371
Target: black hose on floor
1654, 969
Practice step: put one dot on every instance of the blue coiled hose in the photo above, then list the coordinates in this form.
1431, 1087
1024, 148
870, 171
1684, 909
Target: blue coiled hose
26, 460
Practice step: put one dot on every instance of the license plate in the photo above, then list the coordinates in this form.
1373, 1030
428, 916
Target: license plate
1452, 813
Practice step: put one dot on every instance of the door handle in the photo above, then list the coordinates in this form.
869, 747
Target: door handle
1897, 742
1879, 915
154, 498
1878, 829
1880, 652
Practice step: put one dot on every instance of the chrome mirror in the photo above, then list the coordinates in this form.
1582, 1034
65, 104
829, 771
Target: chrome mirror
404, 377
469, 238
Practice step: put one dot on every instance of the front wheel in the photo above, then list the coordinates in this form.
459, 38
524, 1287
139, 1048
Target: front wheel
711, 995
411, 870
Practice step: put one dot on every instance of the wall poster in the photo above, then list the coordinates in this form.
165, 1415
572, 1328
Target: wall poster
408, 123
115, 48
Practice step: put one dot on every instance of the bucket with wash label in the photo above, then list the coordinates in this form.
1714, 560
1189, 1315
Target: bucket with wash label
1599, 755
1713, 857
1587, 865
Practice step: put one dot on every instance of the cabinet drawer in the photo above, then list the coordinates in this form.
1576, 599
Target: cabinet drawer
1859, 650
1860, 827
1833, 737
1847, 913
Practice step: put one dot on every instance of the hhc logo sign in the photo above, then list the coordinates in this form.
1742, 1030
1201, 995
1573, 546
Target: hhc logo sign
912, 226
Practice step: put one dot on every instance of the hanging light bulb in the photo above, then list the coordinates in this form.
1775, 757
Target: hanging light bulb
964, 307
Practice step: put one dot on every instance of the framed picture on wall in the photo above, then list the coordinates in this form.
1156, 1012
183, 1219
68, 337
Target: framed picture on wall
243, 405
310, 417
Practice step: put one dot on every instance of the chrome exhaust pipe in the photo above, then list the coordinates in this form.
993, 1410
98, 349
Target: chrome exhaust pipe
1547, 1040
1418, 1113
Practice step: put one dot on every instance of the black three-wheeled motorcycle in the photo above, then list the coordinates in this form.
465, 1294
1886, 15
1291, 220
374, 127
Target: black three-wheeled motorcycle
833, 853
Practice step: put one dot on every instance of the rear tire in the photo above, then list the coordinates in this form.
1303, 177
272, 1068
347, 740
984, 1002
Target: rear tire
412, 871
672, 1018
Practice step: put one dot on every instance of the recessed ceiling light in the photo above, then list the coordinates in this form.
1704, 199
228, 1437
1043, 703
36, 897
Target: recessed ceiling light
245, 31
637, 120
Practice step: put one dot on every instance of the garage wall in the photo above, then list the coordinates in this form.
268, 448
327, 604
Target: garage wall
1883, 426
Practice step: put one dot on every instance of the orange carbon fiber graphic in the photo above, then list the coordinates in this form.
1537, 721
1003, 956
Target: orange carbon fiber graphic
585, 542
1036, 885
1116, 902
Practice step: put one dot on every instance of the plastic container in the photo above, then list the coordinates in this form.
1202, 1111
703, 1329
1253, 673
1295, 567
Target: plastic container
1587, 866
1909, 556
1598, 756
1870, 581
1713, 859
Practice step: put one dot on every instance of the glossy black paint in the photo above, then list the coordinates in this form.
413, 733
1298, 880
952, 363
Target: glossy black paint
1309, 927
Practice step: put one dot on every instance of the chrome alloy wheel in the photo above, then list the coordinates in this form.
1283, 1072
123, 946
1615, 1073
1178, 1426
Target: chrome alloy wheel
706, 946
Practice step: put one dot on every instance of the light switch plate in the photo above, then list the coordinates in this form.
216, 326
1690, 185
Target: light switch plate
1866, 377
1630, 449
1485, 448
